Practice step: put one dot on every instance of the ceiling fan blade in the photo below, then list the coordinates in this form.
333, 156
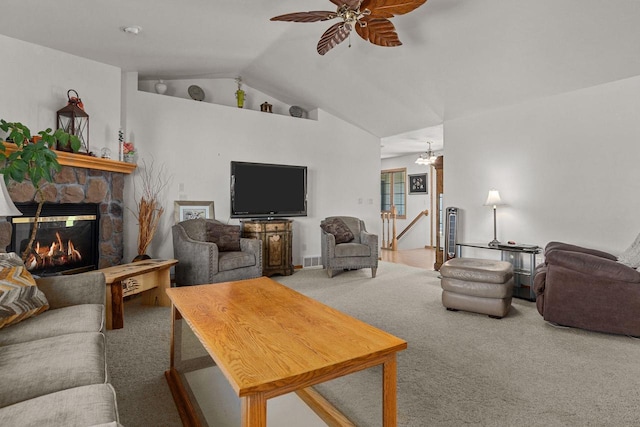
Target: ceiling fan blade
379, 31
313, 16
390, 8
353, 4
335, 35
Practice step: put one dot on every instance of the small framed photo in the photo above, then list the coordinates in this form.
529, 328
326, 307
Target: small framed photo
418, 184
184, 210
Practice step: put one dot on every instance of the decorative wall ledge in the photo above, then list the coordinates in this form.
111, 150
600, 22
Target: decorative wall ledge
85, 161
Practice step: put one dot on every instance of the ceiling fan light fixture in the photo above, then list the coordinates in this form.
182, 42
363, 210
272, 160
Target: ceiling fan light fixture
371, 22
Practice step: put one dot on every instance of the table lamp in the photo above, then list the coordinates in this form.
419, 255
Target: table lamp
7, 208
493, 199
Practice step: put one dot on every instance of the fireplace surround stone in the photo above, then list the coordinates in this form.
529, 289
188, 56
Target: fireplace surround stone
82, 185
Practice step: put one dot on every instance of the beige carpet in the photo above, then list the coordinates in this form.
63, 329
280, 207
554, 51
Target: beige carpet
460, 368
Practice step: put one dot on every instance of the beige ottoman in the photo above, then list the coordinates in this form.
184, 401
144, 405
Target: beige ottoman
477, 285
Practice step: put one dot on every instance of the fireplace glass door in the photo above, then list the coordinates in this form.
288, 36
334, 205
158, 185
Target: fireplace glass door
66, 238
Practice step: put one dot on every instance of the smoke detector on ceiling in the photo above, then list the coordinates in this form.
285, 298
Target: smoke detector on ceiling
132, 29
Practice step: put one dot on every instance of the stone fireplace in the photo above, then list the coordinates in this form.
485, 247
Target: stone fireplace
102, 186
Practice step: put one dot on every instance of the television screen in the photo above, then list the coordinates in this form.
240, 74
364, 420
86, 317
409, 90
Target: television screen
260, 190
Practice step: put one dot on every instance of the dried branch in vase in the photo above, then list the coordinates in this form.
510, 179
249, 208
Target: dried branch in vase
149, 209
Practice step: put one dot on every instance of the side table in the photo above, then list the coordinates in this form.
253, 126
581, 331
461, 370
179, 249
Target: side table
152, 275
276, 236
523, 268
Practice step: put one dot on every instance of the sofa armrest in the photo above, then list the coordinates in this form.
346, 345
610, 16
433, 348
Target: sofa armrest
75, 289
593, 265
560, 246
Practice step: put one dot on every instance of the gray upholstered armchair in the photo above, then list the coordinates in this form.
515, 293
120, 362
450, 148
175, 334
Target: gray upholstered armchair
201, 261
346, 245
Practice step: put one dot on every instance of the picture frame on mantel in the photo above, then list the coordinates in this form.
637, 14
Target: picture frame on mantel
184, 210
418, 184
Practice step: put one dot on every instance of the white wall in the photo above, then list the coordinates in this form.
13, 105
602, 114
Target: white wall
35, 81
419, 235
566, 167
198, 140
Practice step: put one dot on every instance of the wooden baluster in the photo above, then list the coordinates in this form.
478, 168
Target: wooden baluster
388, 230
394, 214
384, 243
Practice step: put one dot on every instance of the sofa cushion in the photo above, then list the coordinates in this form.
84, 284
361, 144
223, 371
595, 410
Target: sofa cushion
226, 237
51, 323
40, 367
338, 228
20, 298
10, 259
80, 406
232, 260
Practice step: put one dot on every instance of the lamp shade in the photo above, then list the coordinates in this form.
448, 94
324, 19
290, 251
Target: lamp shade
493, 199
7, 208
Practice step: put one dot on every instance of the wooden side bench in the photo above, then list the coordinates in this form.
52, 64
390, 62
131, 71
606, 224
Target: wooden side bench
151, 276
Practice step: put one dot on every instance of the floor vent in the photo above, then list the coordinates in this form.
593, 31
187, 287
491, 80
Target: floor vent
312, 261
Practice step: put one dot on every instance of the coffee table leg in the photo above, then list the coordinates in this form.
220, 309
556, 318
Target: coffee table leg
254, 410
389, 398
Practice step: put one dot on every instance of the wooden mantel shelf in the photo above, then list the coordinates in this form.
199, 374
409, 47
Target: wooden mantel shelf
85, 161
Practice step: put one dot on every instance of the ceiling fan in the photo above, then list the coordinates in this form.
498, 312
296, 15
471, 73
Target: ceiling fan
368, 17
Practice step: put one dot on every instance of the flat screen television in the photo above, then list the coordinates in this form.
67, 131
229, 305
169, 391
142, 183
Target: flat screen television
261, 190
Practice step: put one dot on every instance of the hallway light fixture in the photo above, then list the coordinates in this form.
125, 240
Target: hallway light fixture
426, 158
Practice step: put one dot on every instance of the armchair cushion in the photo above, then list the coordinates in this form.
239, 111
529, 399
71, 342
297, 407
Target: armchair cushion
352, 249
236, 259
227, 237
337, 227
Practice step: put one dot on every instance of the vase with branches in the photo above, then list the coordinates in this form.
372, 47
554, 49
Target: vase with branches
149, 210
33, 159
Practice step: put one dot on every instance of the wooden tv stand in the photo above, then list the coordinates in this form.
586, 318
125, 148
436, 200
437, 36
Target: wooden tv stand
276, 236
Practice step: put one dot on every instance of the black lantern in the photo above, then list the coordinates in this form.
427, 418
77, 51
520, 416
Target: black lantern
74, 120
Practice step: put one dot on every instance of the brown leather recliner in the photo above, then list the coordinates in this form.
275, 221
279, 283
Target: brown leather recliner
588, 289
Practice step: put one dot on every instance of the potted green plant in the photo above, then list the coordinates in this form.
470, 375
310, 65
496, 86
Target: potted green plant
34, 160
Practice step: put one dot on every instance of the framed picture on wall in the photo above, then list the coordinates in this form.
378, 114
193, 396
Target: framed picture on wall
184, 210
418, 184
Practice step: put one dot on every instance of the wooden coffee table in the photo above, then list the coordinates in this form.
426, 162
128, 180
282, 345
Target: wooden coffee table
269, 340
151, 275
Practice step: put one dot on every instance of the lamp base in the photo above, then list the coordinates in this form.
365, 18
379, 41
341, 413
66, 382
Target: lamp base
494, 243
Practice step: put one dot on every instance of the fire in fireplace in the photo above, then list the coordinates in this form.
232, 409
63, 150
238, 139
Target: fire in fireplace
66, 239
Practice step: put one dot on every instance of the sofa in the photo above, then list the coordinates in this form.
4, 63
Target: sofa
588, 289
53, 365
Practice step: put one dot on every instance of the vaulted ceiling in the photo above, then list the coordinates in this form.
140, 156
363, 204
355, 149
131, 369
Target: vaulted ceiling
458, 57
